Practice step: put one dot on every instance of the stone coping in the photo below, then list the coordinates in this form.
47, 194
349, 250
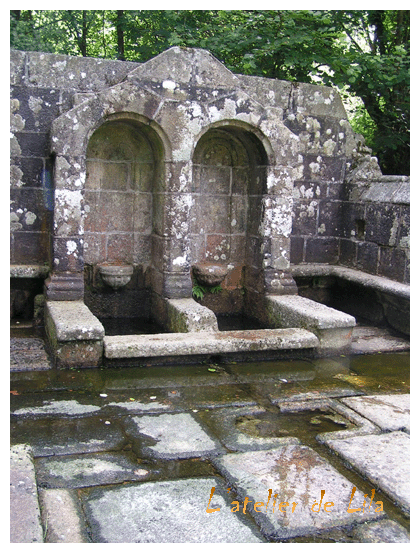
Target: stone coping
198, 343
382, 284
29, 271
73, 321
298, 311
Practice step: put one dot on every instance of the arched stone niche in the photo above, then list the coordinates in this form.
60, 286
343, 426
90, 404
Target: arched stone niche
229, 181
124, 167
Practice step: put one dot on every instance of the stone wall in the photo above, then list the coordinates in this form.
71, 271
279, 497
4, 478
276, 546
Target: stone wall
43, 86
213, 166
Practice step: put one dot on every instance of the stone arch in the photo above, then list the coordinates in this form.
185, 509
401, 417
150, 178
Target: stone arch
230, 164
74, 192
124, 169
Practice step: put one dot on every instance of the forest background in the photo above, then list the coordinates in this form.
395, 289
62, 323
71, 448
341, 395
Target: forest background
365, 54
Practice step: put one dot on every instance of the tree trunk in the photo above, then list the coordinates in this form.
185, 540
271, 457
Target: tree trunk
120, 34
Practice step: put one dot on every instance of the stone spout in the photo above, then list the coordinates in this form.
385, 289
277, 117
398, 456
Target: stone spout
209, 274
116, 275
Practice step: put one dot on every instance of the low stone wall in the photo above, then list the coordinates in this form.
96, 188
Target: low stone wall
365, 225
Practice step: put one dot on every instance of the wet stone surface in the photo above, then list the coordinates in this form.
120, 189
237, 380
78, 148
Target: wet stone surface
389, 413
132, 455
158, 513
297, 474
383, 459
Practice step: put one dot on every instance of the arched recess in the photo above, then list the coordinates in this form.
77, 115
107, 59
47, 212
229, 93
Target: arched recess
229, 181
124, 169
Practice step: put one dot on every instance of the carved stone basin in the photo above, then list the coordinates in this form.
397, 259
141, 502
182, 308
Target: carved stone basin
209, 274
116, 275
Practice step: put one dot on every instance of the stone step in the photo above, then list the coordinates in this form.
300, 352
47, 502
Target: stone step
204, 343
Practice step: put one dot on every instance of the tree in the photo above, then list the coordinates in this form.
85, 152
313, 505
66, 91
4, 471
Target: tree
365, 53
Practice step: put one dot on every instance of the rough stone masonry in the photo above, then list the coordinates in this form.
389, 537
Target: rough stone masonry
177, 162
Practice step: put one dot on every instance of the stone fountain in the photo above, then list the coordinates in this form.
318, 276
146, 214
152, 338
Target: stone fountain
176, 169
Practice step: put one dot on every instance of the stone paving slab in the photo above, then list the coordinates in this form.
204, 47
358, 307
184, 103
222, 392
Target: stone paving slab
222, 423
371, 339
335, 411
62, 517
389, 412
213, 397
92, 469
28, 354
175, 436
67, 436
52, 408
297, 474
25, 519
166, 512
383, 531
384, 459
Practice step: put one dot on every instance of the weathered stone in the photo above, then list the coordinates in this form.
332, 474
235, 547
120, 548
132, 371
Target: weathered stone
210, 274
199, 343
388, 412
186, 315
333, 328
62, 517
166, 512
178, 162
25, 519
383, 459
383, 531
73, 471
296, 475
177, 436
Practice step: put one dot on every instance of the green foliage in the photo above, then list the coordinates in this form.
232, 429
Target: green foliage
364, 52
199, 290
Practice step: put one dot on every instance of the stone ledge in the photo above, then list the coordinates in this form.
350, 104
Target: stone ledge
333, 328
382, 284
186, 315
72, 320
75, 335
29, 271
199, 343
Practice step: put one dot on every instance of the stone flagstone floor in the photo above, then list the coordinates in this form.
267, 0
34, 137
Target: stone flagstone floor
209, 454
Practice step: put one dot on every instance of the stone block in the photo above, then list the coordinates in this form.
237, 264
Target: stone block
205, 343
384, 459
186, 315
166, 512
62, 517
89, 469
392, 263
333, 328
74, 333
282, 488
175, 436
321, 250
389, 412
305, 215
329, 218
367, 257
25, 519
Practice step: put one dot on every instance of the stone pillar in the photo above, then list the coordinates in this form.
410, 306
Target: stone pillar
171, 246
66, 279
276, 228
